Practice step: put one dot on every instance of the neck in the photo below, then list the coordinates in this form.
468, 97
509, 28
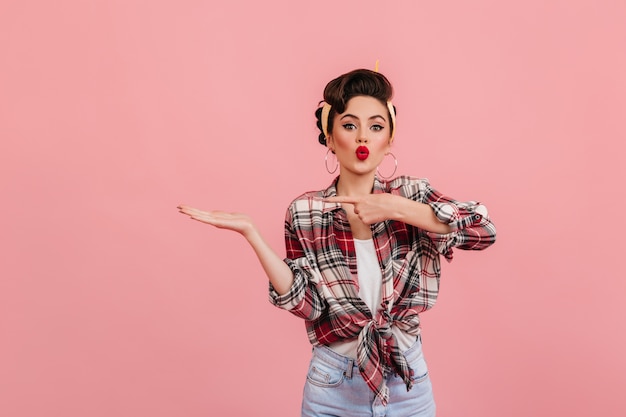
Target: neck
354, 185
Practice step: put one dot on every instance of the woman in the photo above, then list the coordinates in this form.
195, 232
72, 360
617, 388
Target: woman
363, 260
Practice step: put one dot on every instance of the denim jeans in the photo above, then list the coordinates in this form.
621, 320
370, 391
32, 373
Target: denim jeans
334, 387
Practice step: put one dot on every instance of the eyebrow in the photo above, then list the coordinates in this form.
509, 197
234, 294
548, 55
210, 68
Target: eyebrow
371, 118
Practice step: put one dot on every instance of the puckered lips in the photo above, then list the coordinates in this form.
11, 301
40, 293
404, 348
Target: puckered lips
362, 153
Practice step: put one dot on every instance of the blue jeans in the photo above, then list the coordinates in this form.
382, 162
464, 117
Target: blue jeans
334, 387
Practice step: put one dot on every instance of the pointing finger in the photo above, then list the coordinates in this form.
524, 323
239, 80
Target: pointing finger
342, 199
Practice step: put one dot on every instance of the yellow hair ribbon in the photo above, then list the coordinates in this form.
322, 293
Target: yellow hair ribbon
324, 118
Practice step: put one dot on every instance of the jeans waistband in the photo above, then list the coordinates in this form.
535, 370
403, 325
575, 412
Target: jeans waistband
326, 354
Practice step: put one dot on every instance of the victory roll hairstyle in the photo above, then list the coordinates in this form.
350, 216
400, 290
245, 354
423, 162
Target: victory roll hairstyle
359, 82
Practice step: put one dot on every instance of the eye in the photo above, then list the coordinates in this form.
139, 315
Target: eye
377, 128
349, 126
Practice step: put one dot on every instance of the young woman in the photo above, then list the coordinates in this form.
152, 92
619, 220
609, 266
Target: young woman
363, 260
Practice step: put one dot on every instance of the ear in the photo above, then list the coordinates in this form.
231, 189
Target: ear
330, 143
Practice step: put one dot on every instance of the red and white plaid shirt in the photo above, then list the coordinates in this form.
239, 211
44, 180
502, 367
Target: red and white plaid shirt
321, 254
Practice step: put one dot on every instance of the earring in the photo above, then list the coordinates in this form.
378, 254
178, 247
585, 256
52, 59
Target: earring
326, 163
395, 168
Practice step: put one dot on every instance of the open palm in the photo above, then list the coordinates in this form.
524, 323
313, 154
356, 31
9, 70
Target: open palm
238, 222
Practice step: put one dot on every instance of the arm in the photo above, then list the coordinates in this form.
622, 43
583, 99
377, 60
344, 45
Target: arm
302, 299
449, 223
290, 286
471, 226
277, 271
373, 208
417, 214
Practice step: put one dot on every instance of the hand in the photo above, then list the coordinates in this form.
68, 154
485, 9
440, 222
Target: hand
240, 223
370, 208
277, 270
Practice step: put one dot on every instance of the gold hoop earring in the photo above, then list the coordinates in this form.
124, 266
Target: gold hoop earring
395, 168
326, 163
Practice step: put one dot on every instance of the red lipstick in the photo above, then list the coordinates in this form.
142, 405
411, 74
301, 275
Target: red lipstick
362, 153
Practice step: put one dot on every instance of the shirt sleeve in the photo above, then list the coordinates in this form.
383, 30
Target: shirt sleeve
471, 226
302, 299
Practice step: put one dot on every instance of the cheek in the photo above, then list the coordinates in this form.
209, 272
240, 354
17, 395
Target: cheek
342, 140
383, 146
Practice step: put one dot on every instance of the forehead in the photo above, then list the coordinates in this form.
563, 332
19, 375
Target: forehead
365, 106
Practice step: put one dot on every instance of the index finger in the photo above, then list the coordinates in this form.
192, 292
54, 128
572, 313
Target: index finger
342, 199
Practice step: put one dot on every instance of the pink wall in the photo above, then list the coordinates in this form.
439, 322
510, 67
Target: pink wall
112, 113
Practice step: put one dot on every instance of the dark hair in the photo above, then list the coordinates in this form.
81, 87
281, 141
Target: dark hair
359, 82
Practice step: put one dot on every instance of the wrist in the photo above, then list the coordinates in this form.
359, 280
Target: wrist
402, 208
251, 234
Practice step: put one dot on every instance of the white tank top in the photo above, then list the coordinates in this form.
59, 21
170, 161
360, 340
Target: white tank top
368, 271
370, 291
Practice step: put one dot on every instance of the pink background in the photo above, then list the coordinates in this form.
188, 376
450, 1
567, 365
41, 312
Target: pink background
114, 112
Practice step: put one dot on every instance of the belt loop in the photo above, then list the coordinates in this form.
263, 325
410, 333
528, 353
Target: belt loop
348, 372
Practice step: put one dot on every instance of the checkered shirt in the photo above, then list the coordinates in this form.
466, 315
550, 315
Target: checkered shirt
321, 254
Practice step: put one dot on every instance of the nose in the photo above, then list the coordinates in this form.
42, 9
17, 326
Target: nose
362, 137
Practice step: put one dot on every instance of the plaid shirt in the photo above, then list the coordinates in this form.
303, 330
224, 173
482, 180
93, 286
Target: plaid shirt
321, 254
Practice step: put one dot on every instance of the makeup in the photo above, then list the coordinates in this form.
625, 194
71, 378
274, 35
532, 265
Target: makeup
362, 153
